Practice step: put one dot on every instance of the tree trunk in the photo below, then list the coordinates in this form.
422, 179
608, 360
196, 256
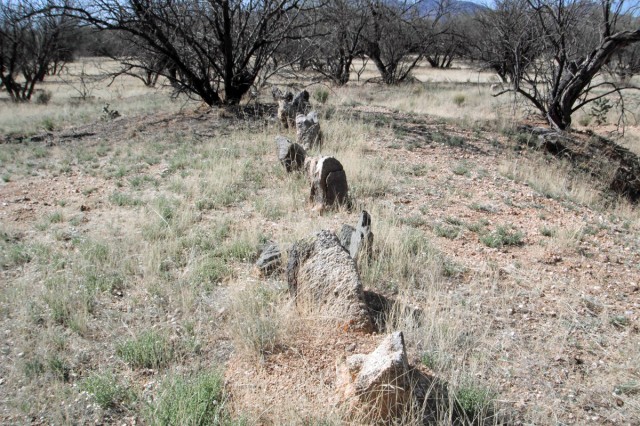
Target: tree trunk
569, 90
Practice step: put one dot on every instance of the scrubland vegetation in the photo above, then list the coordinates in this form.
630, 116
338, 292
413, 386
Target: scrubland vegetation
129, 292
132, 212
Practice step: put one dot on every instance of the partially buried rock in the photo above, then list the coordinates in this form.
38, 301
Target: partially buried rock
328, 182
278, 94
378, 384
308, 130
291, 155
301, 102
289, 107
270, 259
344, 235
323, 278
362, 238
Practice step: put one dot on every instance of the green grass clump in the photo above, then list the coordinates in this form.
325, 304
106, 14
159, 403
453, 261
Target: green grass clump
256, 323
212, 270
121, 199
49, 124
69, 304
547, 232
106, 390
450, 232
149, 350
449, 140
462, 169
475, 401
478, 227
487, 208
195, 400
33, 368
619, 321
503, 236
14, 255
321, 95
55, 217
241, 249
59, 368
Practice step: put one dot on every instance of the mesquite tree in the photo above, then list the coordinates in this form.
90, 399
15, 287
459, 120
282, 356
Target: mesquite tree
505, 39
625, 63
215, 49
32, 39
338, 39
572, 41
397, 33
451, 37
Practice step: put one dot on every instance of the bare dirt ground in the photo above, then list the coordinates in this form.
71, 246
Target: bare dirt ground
545, 314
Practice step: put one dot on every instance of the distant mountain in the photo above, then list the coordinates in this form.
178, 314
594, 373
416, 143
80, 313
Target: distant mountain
457, 7
467, 7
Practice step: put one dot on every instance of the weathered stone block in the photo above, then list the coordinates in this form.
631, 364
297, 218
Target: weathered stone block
328, 182
322, 275
290, 154
308, 130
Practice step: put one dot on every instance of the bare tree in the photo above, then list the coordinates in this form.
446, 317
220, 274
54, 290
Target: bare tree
397, 33
216, 48
338, 39
449, 42
32, 38
625, 63
142, 64
569, 42
505, 39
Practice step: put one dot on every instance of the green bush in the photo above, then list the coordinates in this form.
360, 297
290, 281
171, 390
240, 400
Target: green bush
43, 97
547, 232
450, 232
212, 270
33, 368
121, 199
55, 217
14, 255
459, 99
59, 368
321, 95
461, 169
48, 124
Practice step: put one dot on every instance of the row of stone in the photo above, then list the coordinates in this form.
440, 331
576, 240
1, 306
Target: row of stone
326, 175
355, 240
322, 275
329, 187
297, 110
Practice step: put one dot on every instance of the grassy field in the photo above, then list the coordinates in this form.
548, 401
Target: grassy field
128, 293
